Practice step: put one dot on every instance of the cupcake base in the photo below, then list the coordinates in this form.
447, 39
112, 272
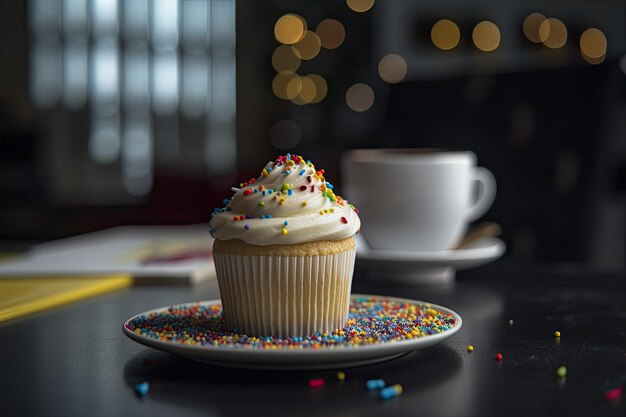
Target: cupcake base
278, 295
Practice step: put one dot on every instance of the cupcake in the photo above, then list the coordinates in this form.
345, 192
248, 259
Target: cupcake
284, 252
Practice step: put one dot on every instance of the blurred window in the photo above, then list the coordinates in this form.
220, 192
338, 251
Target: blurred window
135, 63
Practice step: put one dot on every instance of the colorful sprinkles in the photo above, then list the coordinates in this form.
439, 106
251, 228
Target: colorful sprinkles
372, 320
285, 165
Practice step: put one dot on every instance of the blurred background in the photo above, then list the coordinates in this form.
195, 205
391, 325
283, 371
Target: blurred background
120, 112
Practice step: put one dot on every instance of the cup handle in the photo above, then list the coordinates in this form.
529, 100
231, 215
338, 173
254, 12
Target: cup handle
486, 192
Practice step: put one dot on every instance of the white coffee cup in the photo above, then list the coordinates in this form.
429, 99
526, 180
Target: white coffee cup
416, 199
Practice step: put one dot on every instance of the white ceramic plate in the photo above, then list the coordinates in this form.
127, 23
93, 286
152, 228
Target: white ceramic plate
323, 358
436, 267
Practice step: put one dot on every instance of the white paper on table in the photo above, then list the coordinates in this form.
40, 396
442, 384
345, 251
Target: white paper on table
124, 249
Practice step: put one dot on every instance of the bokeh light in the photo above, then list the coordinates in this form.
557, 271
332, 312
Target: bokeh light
307, 93
331, 33
360, 5
286, 59
531, 27
593, 61
309, 46
445, 34
553, 33
289, 29
392, 68
360, 97
285, 134
286, 86
321, 88
486, 36
593, 43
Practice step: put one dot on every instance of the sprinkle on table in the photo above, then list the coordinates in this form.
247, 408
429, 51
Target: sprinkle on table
499, 357
142, 388
374, 384
393, 391
341, 376
557, 334
613, 394
316, 383
561, 372
470, 349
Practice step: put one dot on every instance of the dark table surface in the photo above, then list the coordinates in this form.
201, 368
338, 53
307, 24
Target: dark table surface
75, 361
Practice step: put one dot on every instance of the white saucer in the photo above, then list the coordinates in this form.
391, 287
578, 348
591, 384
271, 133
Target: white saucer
304, 359
427, 268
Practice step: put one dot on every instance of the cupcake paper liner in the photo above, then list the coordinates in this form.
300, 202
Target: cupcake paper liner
285, 295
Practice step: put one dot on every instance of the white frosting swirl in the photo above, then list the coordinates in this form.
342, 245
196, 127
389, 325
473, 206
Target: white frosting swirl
268, 214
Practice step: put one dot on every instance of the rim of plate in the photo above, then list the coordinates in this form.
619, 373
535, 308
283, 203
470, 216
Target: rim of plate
493, 247
392, 345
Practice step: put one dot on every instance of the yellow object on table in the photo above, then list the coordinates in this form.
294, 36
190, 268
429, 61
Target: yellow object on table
27, 295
